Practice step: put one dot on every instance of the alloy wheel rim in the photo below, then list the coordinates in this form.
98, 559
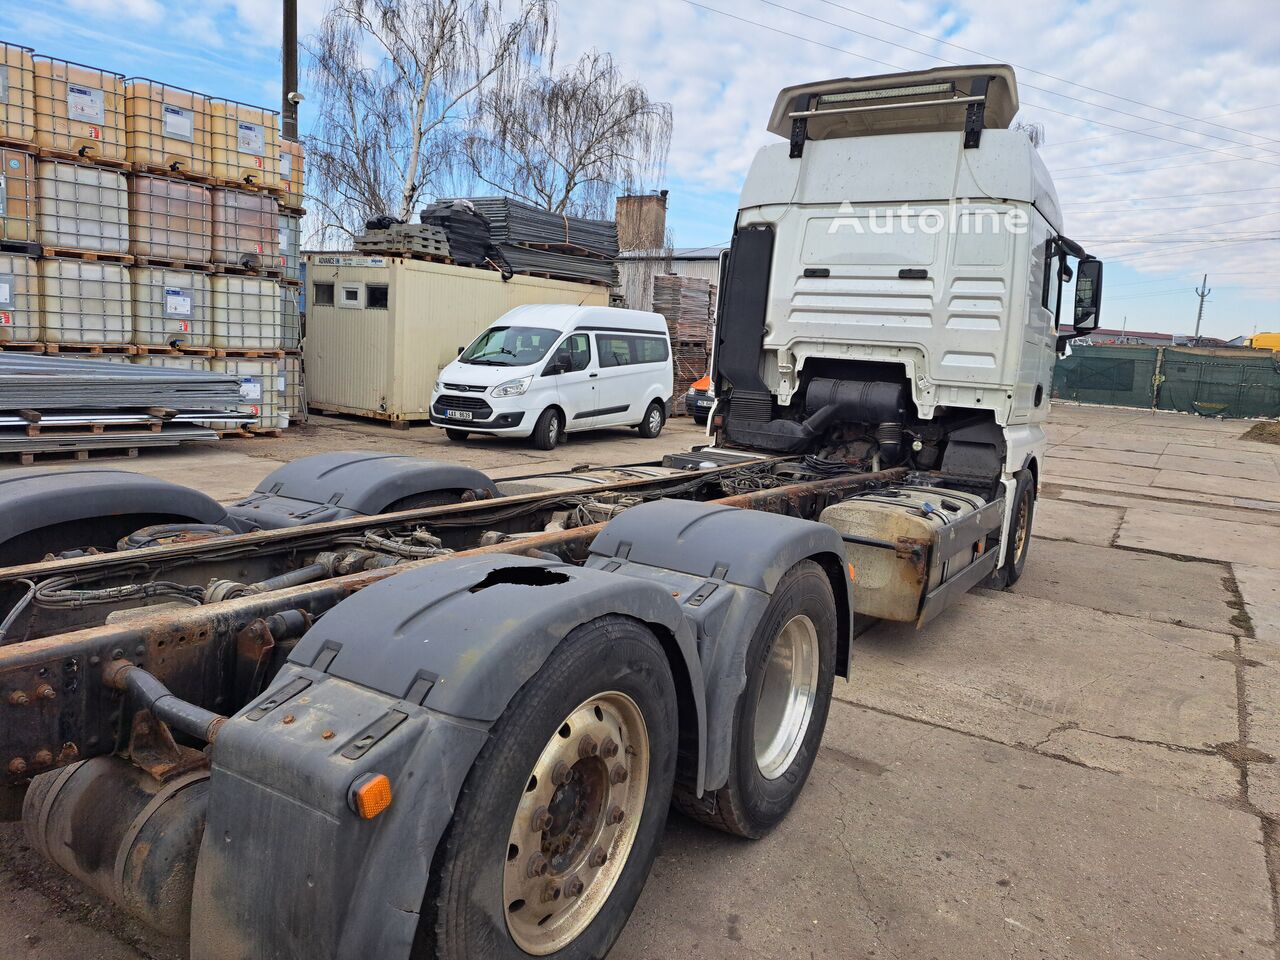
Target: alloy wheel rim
787, 696
576, 823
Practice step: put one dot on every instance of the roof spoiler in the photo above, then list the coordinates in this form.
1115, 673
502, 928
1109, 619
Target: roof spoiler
969, 98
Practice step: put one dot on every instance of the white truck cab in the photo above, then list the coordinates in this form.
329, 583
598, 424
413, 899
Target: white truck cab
544, 370
892, 289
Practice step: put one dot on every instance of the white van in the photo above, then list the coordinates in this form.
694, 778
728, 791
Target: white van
543, 370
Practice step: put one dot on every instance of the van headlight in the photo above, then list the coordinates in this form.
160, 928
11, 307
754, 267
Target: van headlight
513, 388
437, 387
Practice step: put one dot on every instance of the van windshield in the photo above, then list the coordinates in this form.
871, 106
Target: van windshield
510, 346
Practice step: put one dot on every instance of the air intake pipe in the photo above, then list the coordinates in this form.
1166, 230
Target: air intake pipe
828, 402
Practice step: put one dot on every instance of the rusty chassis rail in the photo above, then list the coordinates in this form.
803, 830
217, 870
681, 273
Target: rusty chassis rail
56, 695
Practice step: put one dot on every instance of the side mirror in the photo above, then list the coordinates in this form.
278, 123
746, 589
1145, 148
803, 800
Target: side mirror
1088, 295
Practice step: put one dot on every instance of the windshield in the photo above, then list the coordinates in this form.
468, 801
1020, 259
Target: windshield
510, 346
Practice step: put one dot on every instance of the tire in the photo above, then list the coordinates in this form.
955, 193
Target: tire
457, 436
764, 784
608, 663
1024, 499
548, 430
654, 419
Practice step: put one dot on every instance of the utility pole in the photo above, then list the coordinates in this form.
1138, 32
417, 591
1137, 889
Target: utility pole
289, 71
1202, 292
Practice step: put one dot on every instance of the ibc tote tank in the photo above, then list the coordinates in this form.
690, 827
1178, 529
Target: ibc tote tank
246, 313
82, 207
169, 219
171, 308
167, 128
292, 172
290, 240
246, 229
17, 196
86, 302
261, 391
246, 143
79, 109
17, 93
19, 300
291, 316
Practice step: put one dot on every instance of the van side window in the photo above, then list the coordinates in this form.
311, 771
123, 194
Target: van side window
571, 356
623, 350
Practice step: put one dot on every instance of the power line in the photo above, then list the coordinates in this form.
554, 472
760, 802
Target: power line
1174, 196
1108, 136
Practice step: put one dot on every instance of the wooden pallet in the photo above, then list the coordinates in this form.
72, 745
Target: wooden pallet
14, 143
276, 192
165, 263
159, 170
150, 350
71, 253
569, 249
235, 270
21, 248
42, 429
23, 346
290, 282
94, 348
249, 354
91, 160
255, 431
28, 457
292, 211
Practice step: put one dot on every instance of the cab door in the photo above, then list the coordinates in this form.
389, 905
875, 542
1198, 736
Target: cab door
573, 370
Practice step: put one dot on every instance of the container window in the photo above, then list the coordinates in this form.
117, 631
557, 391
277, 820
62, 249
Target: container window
351, 295
375, 296
322, 294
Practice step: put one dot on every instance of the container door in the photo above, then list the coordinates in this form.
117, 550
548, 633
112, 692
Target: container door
573, 369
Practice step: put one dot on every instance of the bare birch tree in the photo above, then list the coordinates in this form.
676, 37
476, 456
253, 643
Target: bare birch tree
572, 141
397, 85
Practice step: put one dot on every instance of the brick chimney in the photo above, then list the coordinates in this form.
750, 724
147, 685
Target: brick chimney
642, 221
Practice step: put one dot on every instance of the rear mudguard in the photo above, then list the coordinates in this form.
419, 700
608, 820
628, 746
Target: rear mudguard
334, 486
33, 500
423, 663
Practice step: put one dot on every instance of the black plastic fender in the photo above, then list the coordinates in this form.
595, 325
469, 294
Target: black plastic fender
724, 564
334, 486
285, 869
38, 500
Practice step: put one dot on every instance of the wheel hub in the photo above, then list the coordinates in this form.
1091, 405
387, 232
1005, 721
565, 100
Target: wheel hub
576, 822
787, 696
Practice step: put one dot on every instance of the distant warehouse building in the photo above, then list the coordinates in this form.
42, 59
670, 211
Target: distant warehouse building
645, 251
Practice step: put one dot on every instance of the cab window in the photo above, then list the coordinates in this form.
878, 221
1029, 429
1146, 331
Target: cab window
572, 355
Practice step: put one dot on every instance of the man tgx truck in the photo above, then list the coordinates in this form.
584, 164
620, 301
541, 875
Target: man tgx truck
391, 708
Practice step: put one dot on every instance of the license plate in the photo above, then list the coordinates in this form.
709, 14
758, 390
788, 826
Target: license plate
458, 414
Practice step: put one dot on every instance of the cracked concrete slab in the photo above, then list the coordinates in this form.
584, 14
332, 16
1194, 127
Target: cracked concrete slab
1220, 453
1059, 520
1210, 539
1131, 458
1261, 676
1264, 472
1222, 486
1212, 511
915, 842
1260, 588
1105, 473
1155, 588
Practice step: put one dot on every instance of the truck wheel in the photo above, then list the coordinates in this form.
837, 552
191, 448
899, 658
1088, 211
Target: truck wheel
781, 714
653, 420
457, 436
1024, 505
546, 432
559, 819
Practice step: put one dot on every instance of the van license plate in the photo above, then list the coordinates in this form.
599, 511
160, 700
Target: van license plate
458, 414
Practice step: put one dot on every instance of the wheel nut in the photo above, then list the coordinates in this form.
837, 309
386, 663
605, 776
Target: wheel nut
587, 746
43, 758
17, 766
598, 857
616, 814
45, 692
538, 866
550, 893
573, 888
618, 774
609, 748
541, 819
18, 699
560, 775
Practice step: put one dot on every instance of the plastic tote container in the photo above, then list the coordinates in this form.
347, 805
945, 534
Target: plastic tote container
167, 128
261, 392
85, 302
17, 195
291, 172
19, 300
79, 109
290, 240
17, 93
82, 207
172, 308
291, 316
246, 228
246, 144
246, 313
295, 402
169, 219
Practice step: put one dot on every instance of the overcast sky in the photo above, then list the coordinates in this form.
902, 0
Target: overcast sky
1162, 119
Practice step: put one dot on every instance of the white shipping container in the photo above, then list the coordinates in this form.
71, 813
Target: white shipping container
380, 329
85, 302
19, 300
82, 207
246, 313
172, 308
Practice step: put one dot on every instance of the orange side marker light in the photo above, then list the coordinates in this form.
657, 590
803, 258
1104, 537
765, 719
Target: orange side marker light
370, 795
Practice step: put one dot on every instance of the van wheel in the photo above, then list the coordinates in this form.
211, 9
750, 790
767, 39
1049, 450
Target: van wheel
781, 713
559, 819
653, 420
546, 432
457, 436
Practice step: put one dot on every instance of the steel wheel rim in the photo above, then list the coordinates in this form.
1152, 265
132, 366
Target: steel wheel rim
576, 823
655, 420
787, 695
553, 429
1020, 537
